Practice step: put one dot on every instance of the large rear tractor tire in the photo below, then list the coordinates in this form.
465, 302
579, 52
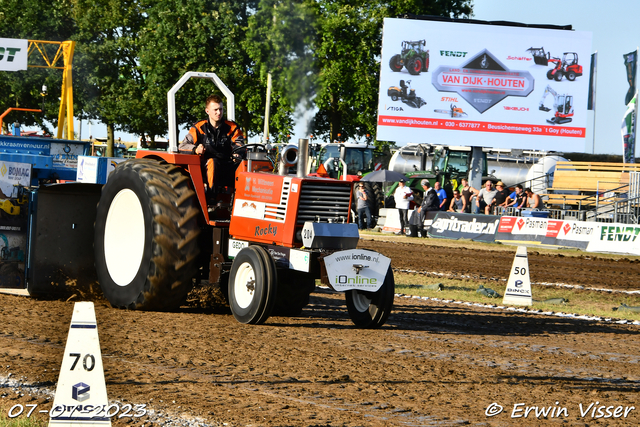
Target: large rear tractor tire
146, 236
252, 285
370, 310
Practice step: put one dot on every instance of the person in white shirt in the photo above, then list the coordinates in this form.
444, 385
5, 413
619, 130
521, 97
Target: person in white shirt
403, 196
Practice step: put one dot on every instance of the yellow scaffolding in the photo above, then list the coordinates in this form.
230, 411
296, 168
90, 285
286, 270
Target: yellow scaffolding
65, 51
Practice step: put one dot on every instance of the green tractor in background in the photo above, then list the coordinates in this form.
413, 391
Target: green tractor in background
414, 57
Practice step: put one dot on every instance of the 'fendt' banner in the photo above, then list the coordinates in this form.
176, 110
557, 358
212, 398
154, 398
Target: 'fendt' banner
483, 85
13, 54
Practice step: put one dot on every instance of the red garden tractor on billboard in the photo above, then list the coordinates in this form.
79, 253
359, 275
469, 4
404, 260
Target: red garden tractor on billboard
413, 56
566, 67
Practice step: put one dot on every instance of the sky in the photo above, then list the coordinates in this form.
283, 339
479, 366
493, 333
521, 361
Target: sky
615, 32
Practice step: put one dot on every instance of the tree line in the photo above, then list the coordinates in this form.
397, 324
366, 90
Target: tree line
323, 55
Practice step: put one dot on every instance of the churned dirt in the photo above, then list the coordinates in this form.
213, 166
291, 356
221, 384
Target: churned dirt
433, 363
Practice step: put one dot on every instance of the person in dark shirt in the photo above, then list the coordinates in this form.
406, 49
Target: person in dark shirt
502, 194
214, 139
517, 199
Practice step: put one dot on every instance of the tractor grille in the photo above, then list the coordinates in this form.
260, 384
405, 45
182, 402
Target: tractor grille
326, 201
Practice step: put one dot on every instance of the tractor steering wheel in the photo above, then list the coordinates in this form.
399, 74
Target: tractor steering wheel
256, 147
244, 147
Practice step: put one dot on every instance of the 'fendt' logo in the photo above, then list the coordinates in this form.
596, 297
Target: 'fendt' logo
453, 53
10, 53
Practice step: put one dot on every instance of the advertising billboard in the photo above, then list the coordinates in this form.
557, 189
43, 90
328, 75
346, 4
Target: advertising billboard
13, 54
483, 85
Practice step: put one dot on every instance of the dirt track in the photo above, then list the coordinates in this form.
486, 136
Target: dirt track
432, 364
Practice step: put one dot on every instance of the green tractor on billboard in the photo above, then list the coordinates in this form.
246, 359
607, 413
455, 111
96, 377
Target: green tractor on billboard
413, 56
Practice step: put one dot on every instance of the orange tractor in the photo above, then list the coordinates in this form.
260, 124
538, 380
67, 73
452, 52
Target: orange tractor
270, 238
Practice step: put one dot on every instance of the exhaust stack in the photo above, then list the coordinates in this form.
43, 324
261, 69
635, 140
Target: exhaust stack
303, 155
288, 158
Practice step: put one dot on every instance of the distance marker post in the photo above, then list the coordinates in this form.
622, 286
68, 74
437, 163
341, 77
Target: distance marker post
518, 291
81, 394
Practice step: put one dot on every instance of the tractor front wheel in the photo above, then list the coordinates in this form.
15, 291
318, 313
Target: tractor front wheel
370, 310
394, 97
558, 75
550, 74
146, 236
395, 63
252, 285
415, 66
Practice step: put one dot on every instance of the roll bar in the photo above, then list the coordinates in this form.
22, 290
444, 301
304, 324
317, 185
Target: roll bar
171, 100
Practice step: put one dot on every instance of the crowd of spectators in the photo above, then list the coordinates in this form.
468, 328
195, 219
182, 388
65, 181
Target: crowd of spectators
491, 199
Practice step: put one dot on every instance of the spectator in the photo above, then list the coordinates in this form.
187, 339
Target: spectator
458, 203
363, 207
485, 198
533, 200
442, 196
468, 193
430, 202
403, 196
502, 194
517, 199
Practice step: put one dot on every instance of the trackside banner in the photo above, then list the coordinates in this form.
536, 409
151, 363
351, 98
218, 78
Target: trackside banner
588, 236
13, 54
464, 226
498, 86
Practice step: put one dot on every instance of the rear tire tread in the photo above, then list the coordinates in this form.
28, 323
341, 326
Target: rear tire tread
174, 246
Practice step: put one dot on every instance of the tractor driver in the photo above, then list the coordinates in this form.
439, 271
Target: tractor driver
214, 139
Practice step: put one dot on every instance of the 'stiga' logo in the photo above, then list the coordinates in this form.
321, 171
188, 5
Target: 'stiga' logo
10, 51
453, 53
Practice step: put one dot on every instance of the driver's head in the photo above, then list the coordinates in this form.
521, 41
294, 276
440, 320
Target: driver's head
214, 109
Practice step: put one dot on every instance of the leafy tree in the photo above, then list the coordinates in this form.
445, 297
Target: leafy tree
200, 35
328, 51
279, 41
107, 32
